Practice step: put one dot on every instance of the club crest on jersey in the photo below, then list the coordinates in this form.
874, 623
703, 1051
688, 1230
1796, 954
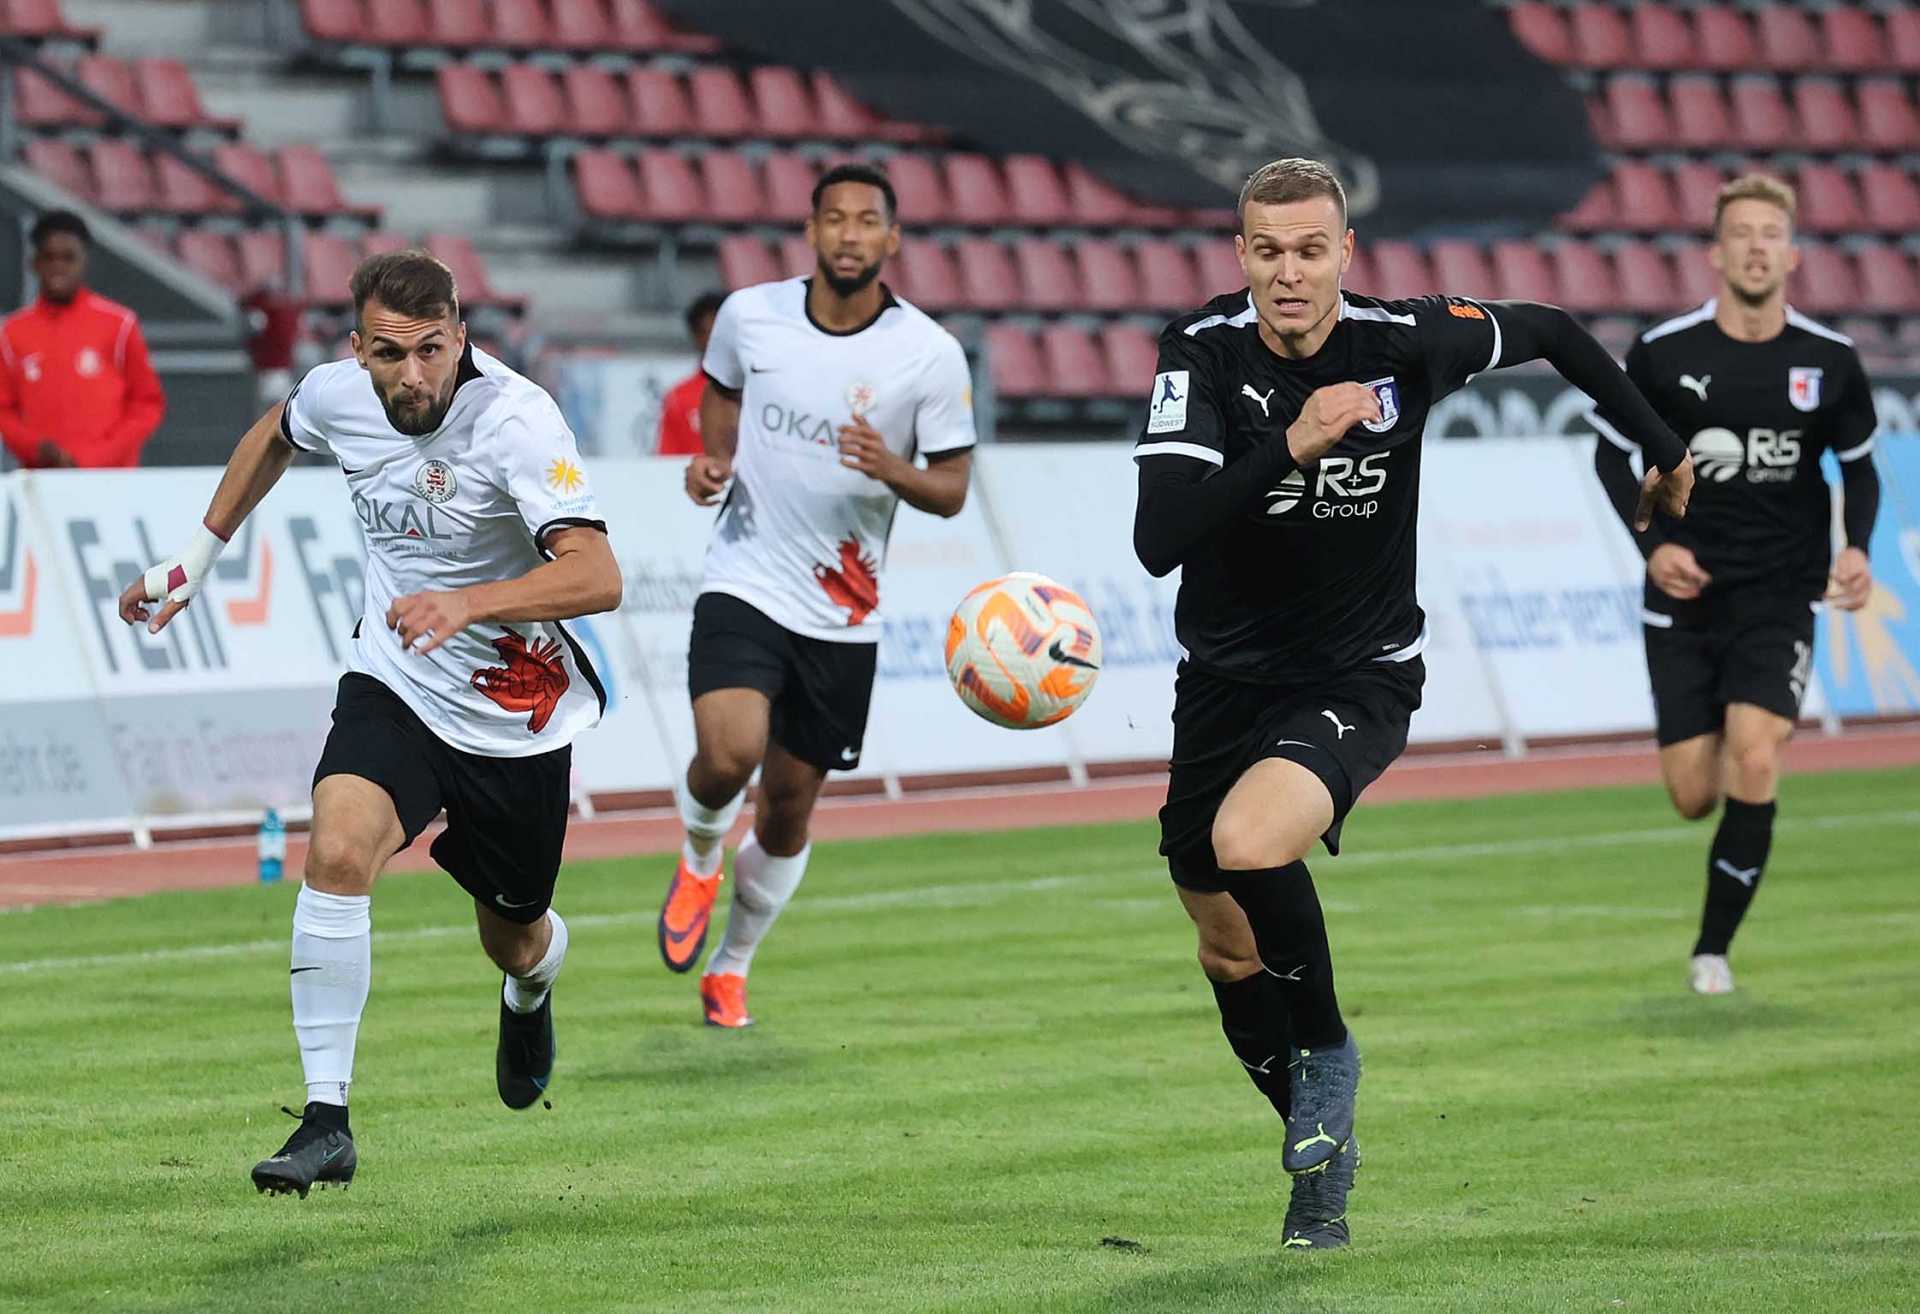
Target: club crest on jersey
1389, 394
434, 481
1803, 387
860, 396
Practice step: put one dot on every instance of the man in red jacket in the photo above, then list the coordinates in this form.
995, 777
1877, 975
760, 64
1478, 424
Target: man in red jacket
76, 387
680, 409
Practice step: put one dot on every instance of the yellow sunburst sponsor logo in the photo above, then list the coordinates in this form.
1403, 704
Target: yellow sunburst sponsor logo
563, 476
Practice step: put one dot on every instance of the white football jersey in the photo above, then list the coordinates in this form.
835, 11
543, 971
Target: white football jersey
467, 504
801, 536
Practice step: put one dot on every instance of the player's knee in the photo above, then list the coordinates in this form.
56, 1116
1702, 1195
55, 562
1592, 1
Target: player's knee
515, 955
1694, 801
783, 830
1248, 844
1225, 963
338, 864
728, 766
1754, 768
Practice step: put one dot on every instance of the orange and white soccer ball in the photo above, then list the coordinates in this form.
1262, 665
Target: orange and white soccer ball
1023, 651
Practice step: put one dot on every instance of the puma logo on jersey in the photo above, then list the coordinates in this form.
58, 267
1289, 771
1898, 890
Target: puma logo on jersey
1341, 729
1246, 390
1698, 385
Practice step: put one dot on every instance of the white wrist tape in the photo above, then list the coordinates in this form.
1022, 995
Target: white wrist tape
179, 578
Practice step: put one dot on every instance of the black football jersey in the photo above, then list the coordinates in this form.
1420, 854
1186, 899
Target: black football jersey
1320, 576
1756, 416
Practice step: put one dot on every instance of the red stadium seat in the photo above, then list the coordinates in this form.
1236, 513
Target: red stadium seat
328, 268
720, 105
1887, 283
670, 186
309, 187
1637, 116
469, 271
1645, 199
733, 192
1047, 278
1852, 39
456, 24
1359, 276
929, 272
1788, 42
638, 26
59, 163
581, 25
38, 103
1646, 280
1521, 271
789, 186
596, 106
1761, 119
1460, 269
1108, 280
1598, 210
978, 196
262, 256
1892, 201
1903, 38
1662, 37
1723, 39
532, 101
1073, 362
112, 80
385, 244
1600, 36
1017, 369
842, 118
1887, 120
1219, 269
1828, 201
745, 261
797, 257
250, 167
1542, 30
1166, 276
605, 187
1132, 358
400, 23
211, 256
170, 99
987, 277
521, 25
661, 107
1696, 279
1827, 282
42, 20
1581, 278
1700, 119
782, 103
1600, 119
1094, 201
1696, 186
1401, 271
1035, 194
122, 176
922, 196
470, 100
182, 191
1827, 121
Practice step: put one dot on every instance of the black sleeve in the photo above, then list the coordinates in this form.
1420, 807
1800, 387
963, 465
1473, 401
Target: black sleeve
1459, 338
1851, 426
1613, 462
1860, 496
1188, 492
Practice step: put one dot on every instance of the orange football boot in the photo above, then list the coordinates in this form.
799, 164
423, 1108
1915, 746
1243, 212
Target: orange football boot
685, 915
725, 996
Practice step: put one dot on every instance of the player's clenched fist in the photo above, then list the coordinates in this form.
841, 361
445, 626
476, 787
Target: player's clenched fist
707, 478
1327, 416
863, 449
424, 621
1676, 572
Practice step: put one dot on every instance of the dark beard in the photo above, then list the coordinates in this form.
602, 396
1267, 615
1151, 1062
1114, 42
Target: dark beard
418, 424
1751, 300
846, 287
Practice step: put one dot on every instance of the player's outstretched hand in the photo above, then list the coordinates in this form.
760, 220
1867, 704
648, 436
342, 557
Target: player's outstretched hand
1676, 573
1851, 583
863, 449
1325, 419
424, 621
133, 606
1669, 490
707, 478
174, 582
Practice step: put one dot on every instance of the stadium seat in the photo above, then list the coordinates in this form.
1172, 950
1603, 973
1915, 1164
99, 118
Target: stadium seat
1827, 121
732, 189
1035, 194
1543, 30
1828, 201
1695, 279
1887, 284
211, 256
1887, 120
789, 187
638, 26
1600, 36
596, 106
797, 257
122, 177
1461, 269
262, 257
1761, 119
1662, 38
1644, 197
1696, 186
841, 117
922, 196
532, 101
327, 266
1699, 114
169, 98
783, 105
745, 261
1903, 38
1596, 212
661, 107
978, 196
581, 25
929, 272
470, 100
38, 103
720, 105
1852, 39
1401, 271
1635, 114
1359, 276
1094, 201
604, 186
670, 187
1645, 279
520, 25
401, 24
250, 167
1826, 280
42, 20
987, 277
59, 163
385, 244
1722, 39
1787, 39
1582, 281
1017, 369
110, 79
1132, 359
309, 187
1521, 271
1073, 363
1219, 269
183, 191
469, 271
456, 24
1890, 199
1047, 277
1166, 276
1108, 280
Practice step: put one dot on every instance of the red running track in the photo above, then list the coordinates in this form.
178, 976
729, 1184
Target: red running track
82, 875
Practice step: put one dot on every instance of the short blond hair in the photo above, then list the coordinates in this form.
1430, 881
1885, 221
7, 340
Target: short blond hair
1755, 187
1281, 181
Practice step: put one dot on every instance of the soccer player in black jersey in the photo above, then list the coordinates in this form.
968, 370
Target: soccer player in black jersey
1760, 391
1280, 468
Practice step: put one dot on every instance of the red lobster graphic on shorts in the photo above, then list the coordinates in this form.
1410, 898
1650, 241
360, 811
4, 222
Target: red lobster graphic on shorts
531, 681
855, 585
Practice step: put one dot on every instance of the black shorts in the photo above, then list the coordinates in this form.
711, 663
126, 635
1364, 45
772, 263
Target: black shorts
1738, 648
819, 690
506, 816
1347, 730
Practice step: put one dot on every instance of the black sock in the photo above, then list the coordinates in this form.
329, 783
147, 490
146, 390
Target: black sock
1254, 1017
1291, 934
331, 1116
1734, 866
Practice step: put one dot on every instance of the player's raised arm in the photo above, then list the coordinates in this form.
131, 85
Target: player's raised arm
254, 468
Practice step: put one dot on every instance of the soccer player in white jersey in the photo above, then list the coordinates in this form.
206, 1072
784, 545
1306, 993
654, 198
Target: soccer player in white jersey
462, 691
824, 391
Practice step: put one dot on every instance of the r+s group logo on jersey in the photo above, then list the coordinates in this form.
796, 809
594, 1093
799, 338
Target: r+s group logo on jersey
1343, 488
1766, 455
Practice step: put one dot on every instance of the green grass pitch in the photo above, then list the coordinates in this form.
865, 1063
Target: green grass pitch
978, 1056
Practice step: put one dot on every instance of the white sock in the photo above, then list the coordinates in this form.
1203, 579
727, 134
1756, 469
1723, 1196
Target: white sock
706, 827
762, 885
526, 993
332, 971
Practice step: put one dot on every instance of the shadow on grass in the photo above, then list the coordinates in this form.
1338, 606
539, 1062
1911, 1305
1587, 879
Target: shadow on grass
682, 1056
1691, 1017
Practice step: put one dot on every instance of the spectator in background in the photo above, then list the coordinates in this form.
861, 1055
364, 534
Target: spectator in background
76, 387
680, 411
